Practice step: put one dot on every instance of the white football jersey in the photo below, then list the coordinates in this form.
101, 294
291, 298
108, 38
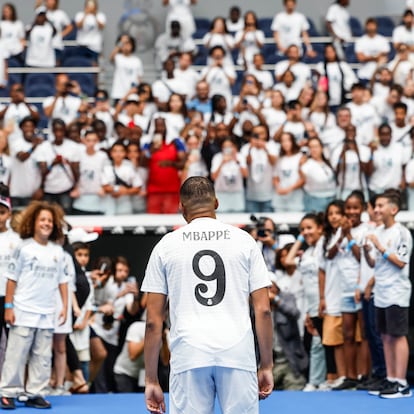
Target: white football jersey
208, 269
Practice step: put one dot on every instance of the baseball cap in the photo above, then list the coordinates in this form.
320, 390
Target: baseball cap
133, 97
80, 235
5, 201
41, 10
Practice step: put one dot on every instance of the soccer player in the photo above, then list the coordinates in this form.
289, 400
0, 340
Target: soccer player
208, 270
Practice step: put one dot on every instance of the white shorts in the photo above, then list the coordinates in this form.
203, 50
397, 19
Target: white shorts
194, 391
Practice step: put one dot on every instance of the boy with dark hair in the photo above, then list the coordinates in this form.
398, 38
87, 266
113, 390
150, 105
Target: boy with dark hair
393, 246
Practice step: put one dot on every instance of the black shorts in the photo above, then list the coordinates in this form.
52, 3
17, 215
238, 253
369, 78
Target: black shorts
392, 320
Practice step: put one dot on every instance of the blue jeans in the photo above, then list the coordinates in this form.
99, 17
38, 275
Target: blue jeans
374, 339
316, 204
259, 206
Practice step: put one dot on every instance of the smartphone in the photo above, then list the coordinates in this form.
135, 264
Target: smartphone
103, 267
132, 279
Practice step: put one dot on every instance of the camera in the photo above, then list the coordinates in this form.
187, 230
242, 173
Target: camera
108, 321
260, 225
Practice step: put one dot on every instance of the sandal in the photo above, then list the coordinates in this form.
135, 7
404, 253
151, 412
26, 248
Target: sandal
80, 389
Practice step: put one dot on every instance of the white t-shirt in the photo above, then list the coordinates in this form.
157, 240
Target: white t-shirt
5, 168
40, 51
66, 108
290, 93
370, 46
108, 294
38, 271
125, 171
309, 265
25, 176
335, 79
249, 45
339, 18
230, 178
290, 27
189, 77
301, 71
365, 119
128, 71
60, 19
60, 178
349, 266
9, 240
259, 181
401, 35
209, 316
333, 289
180, 11
332, 139
319, 178
218, 80
274, 119
89, 184
12, 33
322, 121
388, 167
263, 76
90, 35
16, 113
287, 169
392, 285
175, 123
124, 365
163, 88
297, 129
353, 179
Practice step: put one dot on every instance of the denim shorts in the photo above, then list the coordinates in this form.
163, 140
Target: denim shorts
348, 305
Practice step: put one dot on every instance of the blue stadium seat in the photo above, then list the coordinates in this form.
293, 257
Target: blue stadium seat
72, 34
202, 27
319, 48
313, 31
270, 54
76, 51
385, 25
265, 24
36, 90
237, 85
201, 57
356, 27
46, 80
43, 122
350, 53
79, 61
14, 77
86, 82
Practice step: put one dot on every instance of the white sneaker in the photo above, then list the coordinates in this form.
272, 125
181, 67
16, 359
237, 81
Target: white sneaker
60, 391
309, 388
326, 386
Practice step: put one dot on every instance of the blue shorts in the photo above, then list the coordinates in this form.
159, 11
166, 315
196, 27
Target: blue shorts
348, 305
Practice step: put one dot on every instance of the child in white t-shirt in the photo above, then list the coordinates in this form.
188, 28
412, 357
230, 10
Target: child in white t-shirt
35, 274
128, 69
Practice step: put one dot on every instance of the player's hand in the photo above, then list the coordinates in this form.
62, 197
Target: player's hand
154, 399
265, 381
9, 317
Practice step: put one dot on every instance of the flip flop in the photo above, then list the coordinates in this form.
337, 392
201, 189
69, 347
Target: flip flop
78, 389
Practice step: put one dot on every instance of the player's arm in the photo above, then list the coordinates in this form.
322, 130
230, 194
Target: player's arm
154, 397
264, 332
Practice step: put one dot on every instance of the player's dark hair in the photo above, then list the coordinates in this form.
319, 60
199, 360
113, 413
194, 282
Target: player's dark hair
197, 189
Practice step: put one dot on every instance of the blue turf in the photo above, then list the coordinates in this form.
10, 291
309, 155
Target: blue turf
285, 402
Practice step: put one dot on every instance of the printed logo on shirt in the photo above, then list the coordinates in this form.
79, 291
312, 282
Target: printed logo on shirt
402, 250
